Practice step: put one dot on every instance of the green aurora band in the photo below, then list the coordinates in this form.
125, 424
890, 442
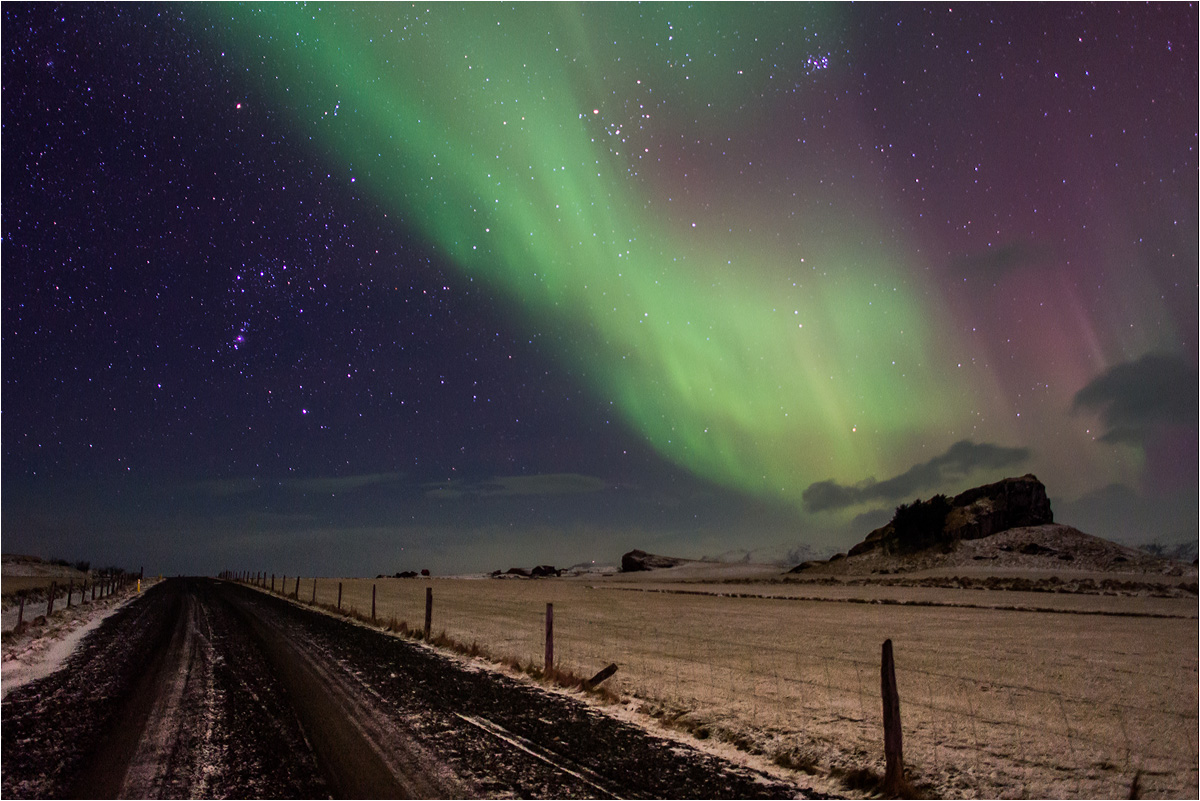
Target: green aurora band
564, 156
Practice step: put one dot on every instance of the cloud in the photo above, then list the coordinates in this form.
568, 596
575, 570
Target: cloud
1120, 513
963, 457
341, 484
541, 484
992, 263
226, 487
871, 519
229, 487
1132, 397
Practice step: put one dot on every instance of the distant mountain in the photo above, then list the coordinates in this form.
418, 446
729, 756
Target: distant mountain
1177, 551
773, 555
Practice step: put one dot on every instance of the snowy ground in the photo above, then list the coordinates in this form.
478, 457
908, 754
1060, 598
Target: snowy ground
1004, 693
42, 649
202, 688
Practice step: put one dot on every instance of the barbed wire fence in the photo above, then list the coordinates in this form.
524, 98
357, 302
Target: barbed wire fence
748, 671
25, 606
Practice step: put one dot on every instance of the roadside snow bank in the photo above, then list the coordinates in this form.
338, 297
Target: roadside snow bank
44, 649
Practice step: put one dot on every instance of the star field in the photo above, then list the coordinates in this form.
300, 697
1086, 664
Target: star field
297, 287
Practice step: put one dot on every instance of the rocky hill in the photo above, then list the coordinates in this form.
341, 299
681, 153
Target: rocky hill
975, 513
1051, 547
1005, 525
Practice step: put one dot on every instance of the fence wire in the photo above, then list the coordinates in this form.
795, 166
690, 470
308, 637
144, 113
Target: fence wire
1003, 703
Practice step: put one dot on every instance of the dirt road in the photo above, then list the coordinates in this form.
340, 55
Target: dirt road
202, 688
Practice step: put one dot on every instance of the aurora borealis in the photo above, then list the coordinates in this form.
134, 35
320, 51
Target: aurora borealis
693, 329
768, 270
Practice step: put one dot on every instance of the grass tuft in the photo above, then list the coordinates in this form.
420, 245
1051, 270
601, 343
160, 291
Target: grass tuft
868, 781
860, 779
792, 759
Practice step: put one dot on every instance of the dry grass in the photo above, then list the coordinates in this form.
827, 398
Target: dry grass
995, 701
556, 676
35, 586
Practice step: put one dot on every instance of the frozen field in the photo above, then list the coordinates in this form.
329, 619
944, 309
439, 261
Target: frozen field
1011, 694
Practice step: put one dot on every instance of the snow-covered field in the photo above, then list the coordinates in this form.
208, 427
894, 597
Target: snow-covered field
1003, 693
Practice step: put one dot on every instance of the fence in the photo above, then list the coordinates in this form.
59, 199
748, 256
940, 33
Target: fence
29, 604
993, 702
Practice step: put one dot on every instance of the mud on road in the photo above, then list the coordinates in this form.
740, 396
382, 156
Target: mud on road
210, 689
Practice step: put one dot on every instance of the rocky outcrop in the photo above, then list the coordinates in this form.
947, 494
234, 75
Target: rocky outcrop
973, 514
992, 508
636, 560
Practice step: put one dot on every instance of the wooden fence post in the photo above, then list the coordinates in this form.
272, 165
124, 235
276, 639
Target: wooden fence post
314, 598
603, 675
893, 747
549, 637
339, 596
50, 603
283, 585
297, 593
20, 609
70, 589
428, 611
372, 603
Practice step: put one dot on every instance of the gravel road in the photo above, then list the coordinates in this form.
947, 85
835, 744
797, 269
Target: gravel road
202, 688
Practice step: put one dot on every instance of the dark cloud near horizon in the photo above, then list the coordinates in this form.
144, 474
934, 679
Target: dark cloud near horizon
1124, 514
871, 519
962, 458
992, 263
542, 484
328, 485
1132, 397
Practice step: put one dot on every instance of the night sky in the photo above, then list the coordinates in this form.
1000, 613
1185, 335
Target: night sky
360, 289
